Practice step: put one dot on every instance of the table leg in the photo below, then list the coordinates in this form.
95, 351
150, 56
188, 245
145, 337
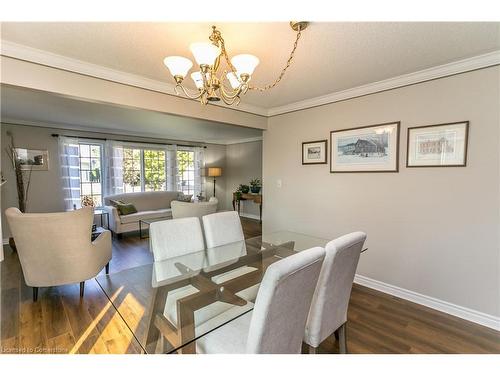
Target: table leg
234, 207
260, 213
140, 229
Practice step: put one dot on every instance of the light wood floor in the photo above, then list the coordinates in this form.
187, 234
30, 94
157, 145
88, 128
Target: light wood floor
60, 322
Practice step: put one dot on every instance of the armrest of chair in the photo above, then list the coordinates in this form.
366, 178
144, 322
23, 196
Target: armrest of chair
114, 217
103, 248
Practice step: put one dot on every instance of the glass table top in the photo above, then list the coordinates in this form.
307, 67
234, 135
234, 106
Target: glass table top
169, 304
153, 220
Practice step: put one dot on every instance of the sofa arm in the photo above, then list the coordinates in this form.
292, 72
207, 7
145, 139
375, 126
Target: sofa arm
114, 217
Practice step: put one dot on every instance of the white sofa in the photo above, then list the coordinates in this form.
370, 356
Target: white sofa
149, 205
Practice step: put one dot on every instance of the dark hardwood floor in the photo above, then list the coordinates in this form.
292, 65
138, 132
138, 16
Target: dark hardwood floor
61, 322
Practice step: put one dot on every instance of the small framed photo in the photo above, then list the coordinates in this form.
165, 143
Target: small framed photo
373, 148
441, 145
36, 160
314, 152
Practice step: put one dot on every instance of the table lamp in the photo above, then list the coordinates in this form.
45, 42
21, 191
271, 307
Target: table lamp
214, 172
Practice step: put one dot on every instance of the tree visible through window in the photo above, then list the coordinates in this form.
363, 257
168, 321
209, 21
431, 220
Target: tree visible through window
143, 170
185, 164
154, 170
90, 173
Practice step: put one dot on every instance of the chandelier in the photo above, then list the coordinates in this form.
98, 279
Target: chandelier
228, 85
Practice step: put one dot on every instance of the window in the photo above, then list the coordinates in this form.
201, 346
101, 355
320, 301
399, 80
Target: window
90, 161
143, 170
185, 176
154, 170
132, 168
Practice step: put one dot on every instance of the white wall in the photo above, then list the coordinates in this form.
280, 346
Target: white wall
244, 163
433, 231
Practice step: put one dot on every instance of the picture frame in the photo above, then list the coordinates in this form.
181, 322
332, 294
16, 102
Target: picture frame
35, 160
315, 152
439, 145
365, 149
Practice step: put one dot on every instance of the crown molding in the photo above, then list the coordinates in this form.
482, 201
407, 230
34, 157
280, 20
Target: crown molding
440, 71
22, 52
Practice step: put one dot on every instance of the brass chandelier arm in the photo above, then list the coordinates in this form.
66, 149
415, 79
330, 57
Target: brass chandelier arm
200, 93
289, 61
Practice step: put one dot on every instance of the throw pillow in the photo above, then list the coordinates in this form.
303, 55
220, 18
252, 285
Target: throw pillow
126, 208
115, 203
184, 198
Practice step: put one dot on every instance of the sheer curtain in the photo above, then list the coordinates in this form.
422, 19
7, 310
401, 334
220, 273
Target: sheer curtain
69, 153
171, 169
113, 168
199, 166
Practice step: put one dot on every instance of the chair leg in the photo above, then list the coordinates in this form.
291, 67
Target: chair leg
336, 334
343, 338
82, 288
35, 294
107, 268
312, 349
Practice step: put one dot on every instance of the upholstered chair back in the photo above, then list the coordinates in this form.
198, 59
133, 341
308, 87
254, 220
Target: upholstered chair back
56, 248
188, 209
222, 228
176, 237
331, 297
285, 294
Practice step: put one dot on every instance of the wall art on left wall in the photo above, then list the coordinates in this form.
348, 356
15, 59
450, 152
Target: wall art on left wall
36, 160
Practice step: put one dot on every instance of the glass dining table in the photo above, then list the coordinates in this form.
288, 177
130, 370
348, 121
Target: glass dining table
169, 304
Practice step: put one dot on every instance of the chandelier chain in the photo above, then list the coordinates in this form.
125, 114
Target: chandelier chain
288, 63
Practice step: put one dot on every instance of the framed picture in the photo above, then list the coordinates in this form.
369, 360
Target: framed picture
441, 145
314, 152
36, 160
373, 148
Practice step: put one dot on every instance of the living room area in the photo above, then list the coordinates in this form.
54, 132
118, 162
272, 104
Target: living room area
224, 187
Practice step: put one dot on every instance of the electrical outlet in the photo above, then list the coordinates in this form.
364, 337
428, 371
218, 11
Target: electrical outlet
279, 183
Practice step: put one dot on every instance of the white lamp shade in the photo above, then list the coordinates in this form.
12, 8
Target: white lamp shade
204, 53
245, 64
235, 83
198, 79
178, 65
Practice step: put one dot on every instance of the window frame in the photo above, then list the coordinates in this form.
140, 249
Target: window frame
101, 169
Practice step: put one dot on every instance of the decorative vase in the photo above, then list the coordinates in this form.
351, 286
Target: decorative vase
255, 189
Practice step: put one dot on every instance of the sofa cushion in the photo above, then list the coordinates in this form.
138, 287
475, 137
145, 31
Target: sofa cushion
153, 214
145, 201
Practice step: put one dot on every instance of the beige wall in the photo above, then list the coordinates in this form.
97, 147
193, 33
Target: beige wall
244, 163
434, 231
45, 192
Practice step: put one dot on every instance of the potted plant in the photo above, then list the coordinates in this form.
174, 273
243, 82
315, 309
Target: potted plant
237, 195
244, 189
255, 186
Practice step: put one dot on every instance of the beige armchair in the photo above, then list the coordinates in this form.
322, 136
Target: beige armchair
56, 249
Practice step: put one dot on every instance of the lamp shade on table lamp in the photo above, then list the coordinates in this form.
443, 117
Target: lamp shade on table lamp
214, 172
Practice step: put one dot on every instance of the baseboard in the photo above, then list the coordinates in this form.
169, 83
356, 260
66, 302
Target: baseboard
478, 317
249, 216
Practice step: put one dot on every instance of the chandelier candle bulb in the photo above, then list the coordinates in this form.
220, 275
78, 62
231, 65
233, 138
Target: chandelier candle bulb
233, 80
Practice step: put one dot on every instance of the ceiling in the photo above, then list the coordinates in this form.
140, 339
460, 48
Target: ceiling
331, 56
42, 108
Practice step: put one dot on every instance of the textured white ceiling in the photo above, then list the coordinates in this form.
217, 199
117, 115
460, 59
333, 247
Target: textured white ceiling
42, 108
331, 56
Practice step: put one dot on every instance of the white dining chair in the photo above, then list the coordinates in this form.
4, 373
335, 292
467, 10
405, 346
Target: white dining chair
277, 322
176, 238
223, 231
328, 311
222, 228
